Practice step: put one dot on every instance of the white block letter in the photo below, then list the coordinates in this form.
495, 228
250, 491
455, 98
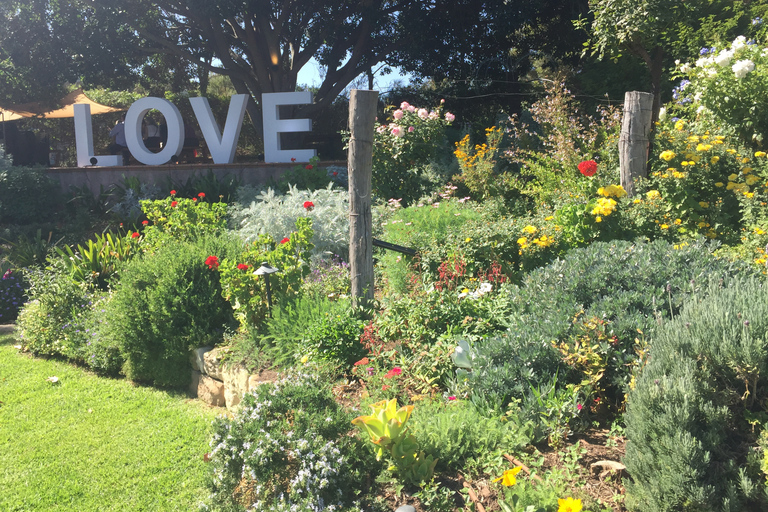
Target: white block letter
222, 147
273, 126
173, 120
84, 140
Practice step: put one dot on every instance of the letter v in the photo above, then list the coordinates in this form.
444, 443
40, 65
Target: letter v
222, 148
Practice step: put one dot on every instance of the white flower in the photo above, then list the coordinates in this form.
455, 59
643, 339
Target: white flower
739, 42
686, 68
662, 114
742, 68
724, 58
701, 109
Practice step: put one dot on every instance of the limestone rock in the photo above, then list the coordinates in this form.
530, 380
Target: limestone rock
231, 398
605, 467
211, 391
194, 383
213, 363
236, 379
197, 359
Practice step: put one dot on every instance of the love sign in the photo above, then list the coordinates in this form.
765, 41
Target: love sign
222, 145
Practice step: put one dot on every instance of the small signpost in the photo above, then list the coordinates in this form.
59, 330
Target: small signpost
362, 116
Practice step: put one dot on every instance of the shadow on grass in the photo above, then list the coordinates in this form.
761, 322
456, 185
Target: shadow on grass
7, 332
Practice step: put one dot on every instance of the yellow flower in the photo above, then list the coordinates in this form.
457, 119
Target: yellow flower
508, 478
714, 159
664, 226
703, 147
304, 359
636, 201
679, 125
530, 229
702, 225
569, 505
652, 194
744, 160
523, 242
746, 170
598, 219
752, 179
758, 154
467, 240
749, 195
678, 175
667, 155
549, 218
693, 138
733, 177
678, 221
684, 163
704, 204
759, 231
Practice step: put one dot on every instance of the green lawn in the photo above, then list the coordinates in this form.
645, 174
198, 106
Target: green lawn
92, 443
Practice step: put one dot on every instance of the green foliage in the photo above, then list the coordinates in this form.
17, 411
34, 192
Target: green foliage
98, 261
168, 302
633, 285
180, 220
405, 148
455, 431
687, 427
287, 445
27, 194
216, 189
307, 177
335, 338
12, 291
247, 292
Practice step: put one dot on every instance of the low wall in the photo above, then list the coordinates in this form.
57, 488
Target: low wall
97, 178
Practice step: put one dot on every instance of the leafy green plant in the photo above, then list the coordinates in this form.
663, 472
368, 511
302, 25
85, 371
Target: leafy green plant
335, 338
386, 429
179, 219
168, 302
27, 194
98, 261
12, 293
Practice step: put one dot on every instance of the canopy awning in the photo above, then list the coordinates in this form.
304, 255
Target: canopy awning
67, 110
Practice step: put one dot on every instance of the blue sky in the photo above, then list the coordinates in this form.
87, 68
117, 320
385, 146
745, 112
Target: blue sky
310, 75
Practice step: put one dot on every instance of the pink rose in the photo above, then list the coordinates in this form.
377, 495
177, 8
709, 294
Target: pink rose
411, 108
423, 113
450, 117
410, 129
404, 105
434, 115
398, 114
397, 131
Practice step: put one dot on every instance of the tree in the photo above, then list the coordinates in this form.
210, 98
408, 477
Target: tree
659, 30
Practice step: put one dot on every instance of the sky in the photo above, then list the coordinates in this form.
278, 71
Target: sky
310, 75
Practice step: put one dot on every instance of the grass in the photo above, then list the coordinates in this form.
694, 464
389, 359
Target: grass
91, 443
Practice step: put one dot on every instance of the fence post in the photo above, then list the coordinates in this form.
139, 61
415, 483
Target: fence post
634, 141
362, 115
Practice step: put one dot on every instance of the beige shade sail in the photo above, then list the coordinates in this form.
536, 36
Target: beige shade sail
67, 110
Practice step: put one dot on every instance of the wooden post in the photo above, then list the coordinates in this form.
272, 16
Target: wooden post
362, 115
634, 141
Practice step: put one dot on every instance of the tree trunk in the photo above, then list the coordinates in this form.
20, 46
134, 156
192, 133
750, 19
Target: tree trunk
362, 115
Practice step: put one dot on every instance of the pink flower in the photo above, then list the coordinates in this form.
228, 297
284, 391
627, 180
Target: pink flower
450, 117
442, 102
404, 105
411, 109
398, 114
397, 131
410, 129
370, 370
423, 113
451, 398
393, 372
578, 407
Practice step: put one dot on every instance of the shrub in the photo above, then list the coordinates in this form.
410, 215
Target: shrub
175, 219
167, 303
286, 448
12, 292
633, 285
335, 337
27, 194
687, 419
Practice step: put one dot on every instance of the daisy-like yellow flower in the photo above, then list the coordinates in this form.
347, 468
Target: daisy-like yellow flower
667, 155
746, 170
751, 180
678, 221
719, 184
508, 478
569, 505
523, 242
759, 154
730, 150
530, 229
549, 218
733, 177
664, 226
759, 231
702, 225
598, 219
680, 125
652, 194
714, 159
703, 147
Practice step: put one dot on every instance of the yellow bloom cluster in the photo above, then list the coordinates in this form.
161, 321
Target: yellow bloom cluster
605, 206
667, 155
652, 194
543, 241
616, 191
530, 230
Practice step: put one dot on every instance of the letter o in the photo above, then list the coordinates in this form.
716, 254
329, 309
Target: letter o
173, 120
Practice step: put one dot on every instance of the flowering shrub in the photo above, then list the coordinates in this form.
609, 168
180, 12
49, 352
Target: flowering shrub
247, 292
478, 165
285, 449
180, 219
404, 149
731, 82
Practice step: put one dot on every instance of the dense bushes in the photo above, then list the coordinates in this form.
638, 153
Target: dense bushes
688, 419
27, 194
167, 303
630, 287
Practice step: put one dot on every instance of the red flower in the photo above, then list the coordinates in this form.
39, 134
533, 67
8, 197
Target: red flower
451, 398
173, 192
335, 173
242, 266
134, 235
293, 159
308, 167
588, 168
194, 199
174, 204
362, 361
144, 222
393, 372
308, 205
201, 195
285, 240
384, 387
212, 262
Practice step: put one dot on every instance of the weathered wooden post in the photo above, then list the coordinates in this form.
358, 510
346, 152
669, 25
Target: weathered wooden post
634, 140
362, 115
